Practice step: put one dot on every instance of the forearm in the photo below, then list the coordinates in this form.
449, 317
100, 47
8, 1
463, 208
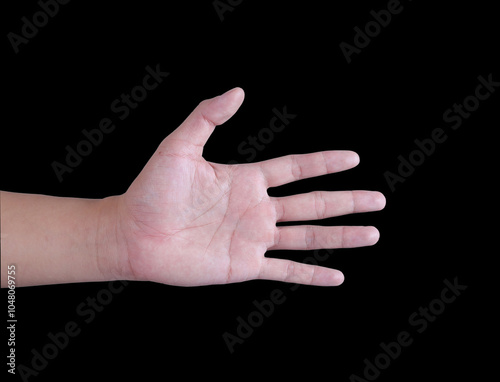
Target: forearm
55, 240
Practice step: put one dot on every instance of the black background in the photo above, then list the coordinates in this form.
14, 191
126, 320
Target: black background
438, 224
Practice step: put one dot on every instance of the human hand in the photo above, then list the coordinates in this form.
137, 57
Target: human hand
185, 221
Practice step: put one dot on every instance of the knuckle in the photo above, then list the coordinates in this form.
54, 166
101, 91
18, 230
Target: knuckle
296, 167
353, 201
279, 209
204, 103
299, 273
310, 237
320, 204
343, 237
290, 272
312, 275
277, 238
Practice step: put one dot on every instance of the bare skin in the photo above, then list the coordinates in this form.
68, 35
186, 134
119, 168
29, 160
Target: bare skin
185, 221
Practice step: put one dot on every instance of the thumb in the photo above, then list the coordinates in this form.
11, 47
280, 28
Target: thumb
193, 133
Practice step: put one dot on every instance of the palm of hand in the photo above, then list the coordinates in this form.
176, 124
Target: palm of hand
188, 222
210, 224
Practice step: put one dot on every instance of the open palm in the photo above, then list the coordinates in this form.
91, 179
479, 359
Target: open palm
186, 221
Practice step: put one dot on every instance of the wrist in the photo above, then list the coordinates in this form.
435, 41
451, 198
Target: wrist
110, 244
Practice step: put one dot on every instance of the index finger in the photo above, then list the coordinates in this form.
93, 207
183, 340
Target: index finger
290, 168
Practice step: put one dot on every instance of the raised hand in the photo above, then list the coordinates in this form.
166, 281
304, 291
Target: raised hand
186, 221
